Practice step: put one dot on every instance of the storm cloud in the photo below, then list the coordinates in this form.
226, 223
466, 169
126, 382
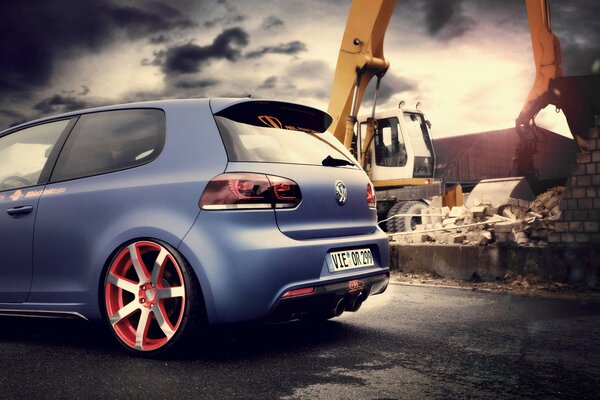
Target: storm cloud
222, 21
290, 48
84, 90
269, 83
37, 35
578, 28
53, 52
190, 58
138, 22
392, 86
445, 19
200, 84
271, 22
59, 103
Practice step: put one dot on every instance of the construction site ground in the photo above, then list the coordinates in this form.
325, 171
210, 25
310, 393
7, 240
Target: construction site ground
513, 285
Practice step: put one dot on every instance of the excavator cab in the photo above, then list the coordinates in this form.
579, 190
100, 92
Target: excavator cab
401, 148
400, 160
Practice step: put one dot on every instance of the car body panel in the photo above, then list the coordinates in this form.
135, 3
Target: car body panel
246, 264
15, 246
319, 215
244, 259
82, 221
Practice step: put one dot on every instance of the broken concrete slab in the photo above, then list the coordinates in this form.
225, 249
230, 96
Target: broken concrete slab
484, 237
505, 227
457, 212
576, 264
457, 238
478, 212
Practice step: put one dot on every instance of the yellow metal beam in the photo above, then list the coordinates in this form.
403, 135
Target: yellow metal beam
546, 54
361, 51
402, 182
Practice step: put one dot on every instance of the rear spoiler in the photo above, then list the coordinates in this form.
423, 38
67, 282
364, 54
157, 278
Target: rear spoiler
278, 115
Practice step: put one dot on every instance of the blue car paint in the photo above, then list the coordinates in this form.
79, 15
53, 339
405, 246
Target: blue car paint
15, 247
244, 260
249, 264
318, 190
252, 260
109, 210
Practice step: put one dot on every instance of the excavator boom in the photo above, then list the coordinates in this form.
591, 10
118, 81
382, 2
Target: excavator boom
546, 55
359, 60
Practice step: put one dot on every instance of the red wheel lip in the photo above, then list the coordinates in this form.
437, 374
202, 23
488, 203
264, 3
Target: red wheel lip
114, 291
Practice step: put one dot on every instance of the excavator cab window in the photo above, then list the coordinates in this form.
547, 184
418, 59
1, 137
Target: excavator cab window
418, 134
390, 150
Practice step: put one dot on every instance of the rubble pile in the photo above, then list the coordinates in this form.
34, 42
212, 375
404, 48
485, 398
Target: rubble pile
516, 222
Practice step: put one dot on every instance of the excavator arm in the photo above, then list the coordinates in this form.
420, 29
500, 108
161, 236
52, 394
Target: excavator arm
360, 59
575, 95
547, 58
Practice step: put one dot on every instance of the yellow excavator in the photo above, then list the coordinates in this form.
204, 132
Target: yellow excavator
396, 149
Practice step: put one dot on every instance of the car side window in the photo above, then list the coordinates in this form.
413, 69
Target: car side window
111, 141
24, 153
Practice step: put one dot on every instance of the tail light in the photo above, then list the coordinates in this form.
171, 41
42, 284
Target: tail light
371, 200
249, 191
285, 191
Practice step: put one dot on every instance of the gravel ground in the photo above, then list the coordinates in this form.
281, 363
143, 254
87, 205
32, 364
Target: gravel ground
517, 285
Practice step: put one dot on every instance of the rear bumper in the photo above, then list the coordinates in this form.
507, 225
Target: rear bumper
330, 300
245, 264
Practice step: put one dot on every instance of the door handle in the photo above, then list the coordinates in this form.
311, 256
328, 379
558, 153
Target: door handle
20, 210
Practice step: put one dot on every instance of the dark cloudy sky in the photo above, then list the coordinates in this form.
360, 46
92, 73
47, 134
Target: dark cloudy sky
468, 61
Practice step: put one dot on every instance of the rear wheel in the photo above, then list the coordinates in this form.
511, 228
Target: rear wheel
150, 296
406, 223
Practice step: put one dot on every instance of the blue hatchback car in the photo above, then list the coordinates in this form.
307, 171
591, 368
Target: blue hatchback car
162, 217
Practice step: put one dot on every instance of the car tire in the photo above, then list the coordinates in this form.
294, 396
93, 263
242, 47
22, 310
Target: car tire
406, 223
152, 300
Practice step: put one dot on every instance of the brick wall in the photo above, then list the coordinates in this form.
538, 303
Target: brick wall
580, 218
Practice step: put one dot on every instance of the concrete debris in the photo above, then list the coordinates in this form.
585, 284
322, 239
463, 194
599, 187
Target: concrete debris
457, 212
514, 222
436, 202
457, 238
508, 214
484, 237
449, 221
478, 212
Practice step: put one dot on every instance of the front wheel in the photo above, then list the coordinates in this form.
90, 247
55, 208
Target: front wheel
408, 216
150, 297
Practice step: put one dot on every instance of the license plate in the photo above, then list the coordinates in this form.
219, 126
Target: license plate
348, 259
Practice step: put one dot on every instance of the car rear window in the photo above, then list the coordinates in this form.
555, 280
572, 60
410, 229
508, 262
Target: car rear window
267, 131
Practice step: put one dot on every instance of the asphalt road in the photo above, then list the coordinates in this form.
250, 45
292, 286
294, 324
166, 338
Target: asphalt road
410, 343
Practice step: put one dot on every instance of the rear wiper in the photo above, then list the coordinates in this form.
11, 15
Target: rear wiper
335, 162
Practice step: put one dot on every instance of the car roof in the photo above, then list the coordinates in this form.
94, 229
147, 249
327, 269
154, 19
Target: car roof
215, 104
170, 103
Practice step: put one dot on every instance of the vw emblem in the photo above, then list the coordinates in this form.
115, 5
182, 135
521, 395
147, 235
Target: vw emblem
341, 193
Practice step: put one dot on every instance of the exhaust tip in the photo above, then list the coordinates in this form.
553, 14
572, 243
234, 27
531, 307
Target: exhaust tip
355, 305
340, 307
